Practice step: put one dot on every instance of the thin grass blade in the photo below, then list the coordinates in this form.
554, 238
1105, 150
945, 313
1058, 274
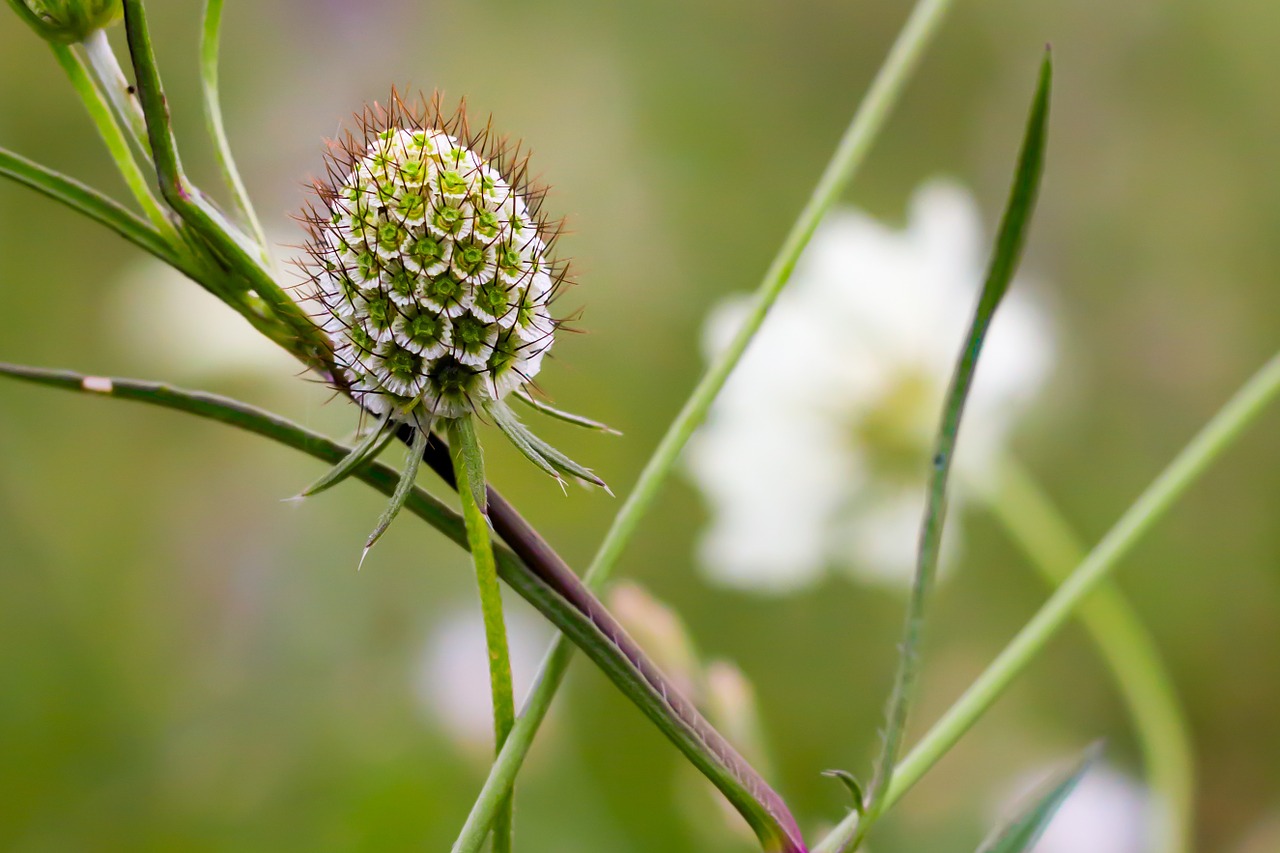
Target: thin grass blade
210, 38
1008, 250
307, 342
105, 120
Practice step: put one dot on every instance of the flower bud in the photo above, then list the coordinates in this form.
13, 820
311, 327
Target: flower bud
432, 265
67, 21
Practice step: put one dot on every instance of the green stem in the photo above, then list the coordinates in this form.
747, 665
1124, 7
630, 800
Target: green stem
110, 79
211, 32
468, 467
105, 120
852, 149
1032, 520
94, 205
1216, 436
1004, 261
849, 154
233, 247
529, 567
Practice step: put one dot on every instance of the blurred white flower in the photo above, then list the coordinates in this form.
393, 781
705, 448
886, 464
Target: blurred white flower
1108, 812
452, 678
815, 454
160, 315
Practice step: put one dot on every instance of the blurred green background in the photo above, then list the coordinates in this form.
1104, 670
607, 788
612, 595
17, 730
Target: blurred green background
187, 663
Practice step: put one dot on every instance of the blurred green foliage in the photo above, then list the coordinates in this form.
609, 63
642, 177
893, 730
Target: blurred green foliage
188, 663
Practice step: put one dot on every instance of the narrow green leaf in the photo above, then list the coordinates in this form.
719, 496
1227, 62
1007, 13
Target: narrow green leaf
401, 494
236, 250
568, 417
1008, 249
468, 468
92, 204
468, 458
571, 606
1021, 833
539, 451
104, 119
211, 33
851, 782
511, 427
368, 448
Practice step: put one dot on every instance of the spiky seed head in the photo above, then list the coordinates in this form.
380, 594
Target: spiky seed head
68, 21
432, 263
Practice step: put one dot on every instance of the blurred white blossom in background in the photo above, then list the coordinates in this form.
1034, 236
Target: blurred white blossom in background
161, 316
816, 453
1106, 813
452, 677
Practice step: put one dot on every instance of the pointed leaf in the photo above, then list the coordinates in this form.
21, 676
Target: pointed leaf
368, 448
520, 434
1020, 834
401, 494
568, 417
515, 432
1008, 249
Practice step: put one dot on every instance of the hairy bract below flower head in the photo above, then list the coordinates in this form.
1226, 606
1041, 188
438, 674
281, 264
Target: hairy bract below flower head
432, 263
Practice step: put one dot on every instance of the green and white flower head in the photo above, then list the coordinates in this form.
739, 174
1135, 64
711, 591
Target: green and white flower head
433, 265
434, 272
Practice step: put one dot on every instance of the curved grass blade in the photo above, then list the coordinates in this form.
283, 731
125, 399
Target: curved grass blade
560, 415
106, 211
210, 37
91, 203
1021, 833
1008, 249
563, 599
369, 447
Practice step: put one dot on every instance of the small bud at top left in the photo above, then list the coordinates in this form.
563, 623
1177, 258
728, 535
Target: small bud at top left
67, 21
